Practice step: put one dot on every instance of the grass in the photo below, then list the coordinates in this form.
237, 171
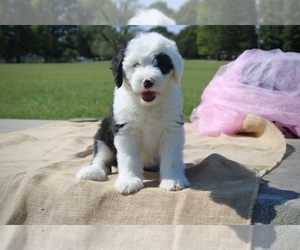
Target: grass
64, 91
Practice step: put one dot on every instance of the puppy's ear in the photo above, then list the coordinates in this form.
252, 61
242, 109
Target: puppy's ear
117, 65
178, 66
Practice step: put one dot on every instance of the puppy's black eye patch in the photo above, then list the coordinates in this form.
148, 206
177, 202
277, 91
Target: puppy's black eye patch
163, 62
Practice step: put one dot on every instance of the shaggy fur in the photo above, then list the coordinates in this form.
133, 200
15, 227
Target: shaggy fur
145, 127
151, 17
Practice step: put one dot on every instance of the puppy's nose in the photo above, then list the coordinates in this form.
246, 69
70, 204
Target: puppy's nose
148, 83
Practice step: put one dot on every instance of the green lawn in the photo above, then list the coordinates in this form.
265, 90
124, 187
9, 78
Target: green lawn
64, 91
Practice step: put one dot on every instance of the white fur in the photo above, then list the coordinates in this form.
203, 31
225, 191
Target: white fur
97, 170
153, 133
151, 17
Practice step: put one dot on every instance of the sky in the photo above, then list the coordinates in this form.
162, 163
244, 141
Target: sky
172, 4
176, 28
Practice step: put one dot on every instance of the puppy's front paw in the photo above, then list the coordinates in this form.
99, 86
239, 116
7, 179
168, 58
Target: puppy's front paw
91, 173
174, 184
128, 185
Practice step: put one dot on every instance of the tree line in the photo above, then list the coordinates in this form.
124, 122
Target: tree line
69, 43
118, 12
104, 12
259, 12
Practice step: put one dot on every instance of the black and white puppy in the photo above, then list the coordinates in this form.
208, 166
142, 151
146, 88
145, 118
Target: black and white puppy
145, 127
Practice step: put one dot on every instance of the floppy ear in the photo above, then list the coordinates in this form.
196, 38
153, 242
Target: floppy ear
117, 65
178, 67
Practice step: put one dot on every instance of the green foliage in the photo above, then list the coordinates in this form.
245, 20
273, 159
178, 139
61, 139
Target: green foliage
291, 38
187, 42
271, 36
62, 43
279, 12
118, 12
64, 91
104, 12
85, 38
243, 12
68, 43
227, 12
163, 7
52, 43
225, 41
107, 12
286, 38
108, 39
187, 13
209, 41
15, 42
67, 11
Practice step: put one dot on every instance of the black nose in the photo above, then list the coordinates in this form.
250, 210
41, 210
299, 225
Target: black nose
148, 83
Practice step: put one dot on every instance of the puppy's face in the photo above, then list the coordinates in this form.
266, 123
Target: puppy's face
149, 64
148, 75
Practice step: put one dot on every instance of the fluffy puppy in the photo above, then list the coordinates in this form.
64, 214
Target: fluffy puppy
145, 127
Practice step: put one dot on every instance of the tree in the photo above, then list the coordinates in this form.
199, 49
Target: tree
39, 12
107, 11
60, 42
187, 14
271, 36
86, 36
291, 38
286, 38
15, 42
163, 7
57, 12
187, 42
225, 42
15, 12
227, 12
108, 38
279, 12
53, 43
127, 9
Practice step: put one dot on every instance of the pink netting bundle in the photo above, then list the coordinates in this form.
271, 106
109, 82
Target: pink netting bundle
265, 83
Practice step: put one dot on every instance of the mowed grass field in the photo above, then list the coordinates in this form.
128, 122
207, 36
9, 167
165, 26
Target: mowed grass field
77, 90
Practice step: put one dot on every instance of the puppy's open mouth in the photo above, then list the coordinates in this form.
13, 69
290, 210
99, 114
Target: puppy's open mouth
148, 96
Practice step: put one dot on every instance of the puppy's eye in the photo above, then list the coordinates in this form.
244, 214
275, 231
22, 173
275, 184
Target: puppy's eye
164, 63
136, 65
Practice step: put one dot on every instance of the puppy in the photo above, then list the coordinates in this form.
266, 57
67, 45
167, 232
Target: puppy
145, 127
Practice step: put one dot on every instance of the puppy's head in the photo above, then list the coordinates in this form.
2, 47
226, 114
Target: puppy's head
148, 65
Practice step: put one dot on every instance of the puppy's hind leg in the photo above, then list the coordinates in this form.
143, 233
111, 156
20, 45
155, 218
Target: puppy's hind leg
100, 166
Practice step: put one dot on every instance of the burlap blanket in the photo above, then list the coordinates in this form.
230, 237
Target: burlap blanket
38, 185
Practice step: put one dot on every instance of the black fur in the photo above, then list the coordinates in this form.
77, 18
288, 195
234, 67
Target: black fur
106, 134
117, 65
164, 63
108, 127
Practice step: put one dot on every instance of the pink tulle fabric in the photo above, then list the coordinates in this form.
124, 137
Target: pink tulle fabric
265, 83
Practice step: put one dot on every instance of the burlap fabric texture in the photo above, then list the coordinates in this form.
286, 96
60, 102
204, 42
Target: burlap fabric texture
38, 185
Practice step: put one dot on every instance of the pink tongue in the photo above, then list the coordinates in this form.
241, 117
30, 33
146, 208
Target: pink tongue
148, 96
